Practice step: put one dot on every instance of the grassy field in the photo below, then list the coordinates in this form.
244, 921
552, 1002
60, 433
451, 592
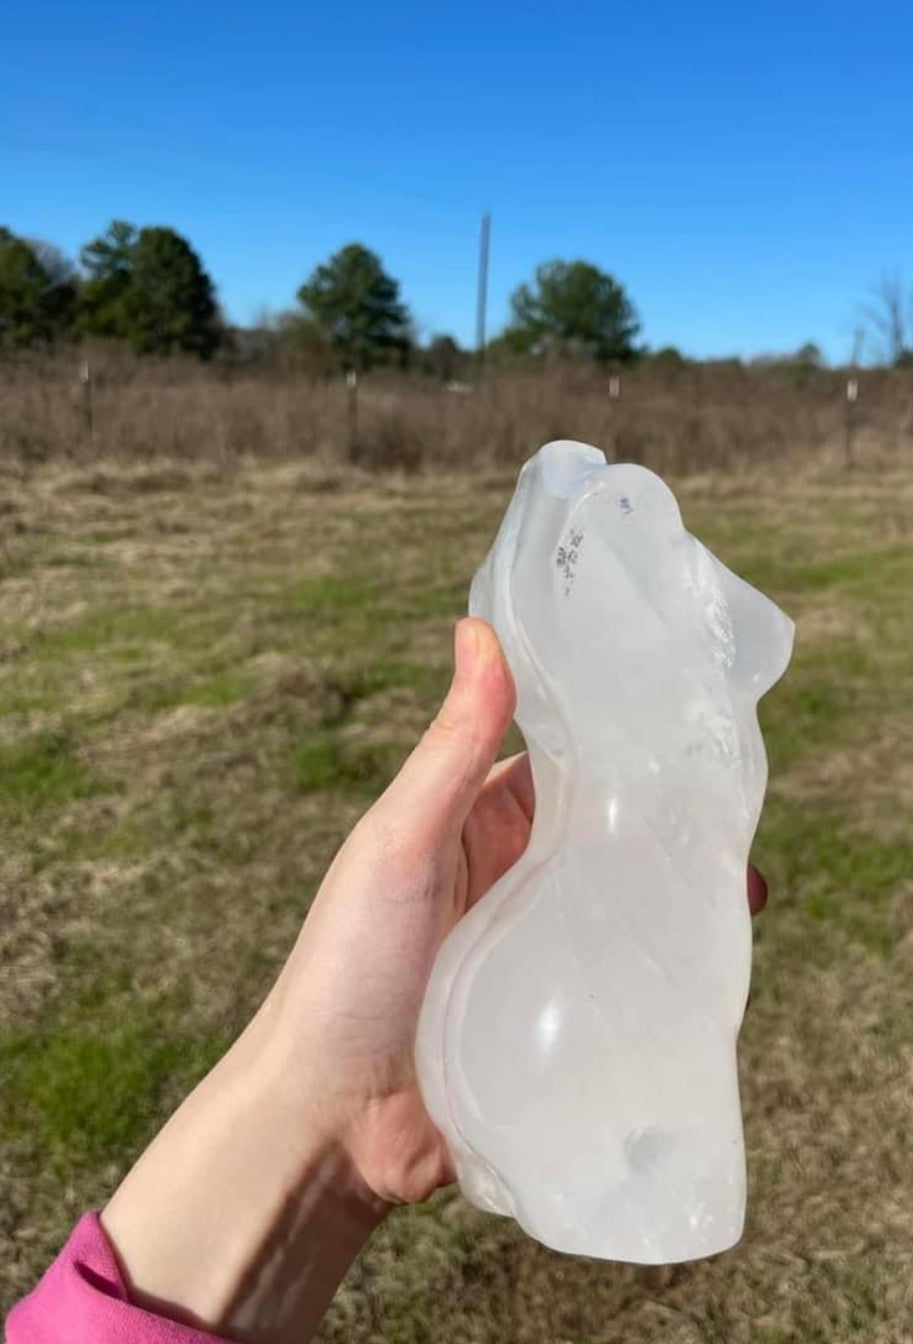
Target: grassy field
205, 676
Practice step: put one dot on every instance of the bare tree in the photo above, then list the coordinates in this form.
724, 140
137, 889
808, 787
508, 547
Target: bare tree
56, 265
889, 313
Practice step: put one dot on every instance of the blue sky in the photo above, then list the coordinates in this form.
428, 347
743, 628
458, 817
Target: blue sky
745, 170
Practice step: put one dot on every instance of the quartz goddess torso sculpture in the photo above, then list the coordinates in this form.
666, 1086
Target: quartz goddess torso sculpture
577, 1042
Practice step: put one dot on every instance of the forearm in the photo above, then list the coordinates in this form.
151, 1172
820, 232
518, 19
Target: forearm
242, 1218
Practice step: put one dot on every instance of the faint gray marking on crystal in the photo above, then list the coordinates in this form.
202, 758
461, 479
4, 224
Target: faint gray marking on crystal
567, 558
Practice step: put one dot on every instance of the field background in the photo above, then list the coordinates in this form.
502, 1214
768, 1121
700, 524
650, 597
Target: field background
679, 416
213, 657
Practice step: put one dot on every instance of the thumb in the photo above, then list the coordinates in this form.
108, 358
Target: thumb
440, 780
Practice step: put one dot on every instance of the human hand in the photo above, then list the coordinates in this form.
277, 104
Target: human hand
346, 1005
313, 1127
348, 999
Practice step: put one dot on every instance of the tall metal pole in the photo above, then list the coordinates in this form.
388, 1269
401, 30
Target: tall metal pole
482, 298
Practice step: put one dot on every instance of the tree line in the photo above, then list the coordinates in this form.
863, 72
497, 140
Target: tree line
147, 288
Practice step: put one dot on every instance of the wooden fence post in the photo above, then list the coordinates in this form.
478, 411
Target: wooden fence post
852, 396
352, 386
85, 377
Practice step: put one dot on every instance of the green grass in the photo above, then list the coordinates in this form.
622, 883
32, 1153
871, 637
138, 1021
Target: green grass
330, 597
108, 630
844, 879
41, 773
189, 729
324, 762
81, 1088
120, 842
216, 691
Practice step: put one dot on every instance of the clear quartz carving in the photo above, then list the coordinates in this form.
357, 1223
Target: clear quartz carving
577, 1042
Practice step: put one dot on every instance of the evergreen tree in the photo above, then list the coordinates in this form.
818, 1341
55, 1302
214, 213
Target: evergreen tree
572, 305
148, 287
357, 305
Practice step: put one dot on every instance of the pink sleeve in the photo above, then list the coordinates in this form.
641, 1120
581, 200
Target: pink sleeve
81, 1299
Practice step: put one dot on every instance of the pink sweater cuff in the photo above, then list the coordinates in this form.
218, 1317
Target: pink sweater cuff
81, 1299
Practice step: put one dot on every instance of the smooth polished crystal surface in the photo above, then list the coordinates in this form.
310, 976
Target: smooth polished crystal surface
577, 1043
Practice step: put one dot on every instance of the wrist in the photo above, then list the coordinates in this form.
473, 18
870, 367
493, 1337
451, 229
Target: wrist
246, 1210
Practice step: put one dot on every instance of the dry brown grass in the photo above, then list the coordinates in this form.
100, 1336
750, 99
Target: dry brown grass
676, 419
206, 675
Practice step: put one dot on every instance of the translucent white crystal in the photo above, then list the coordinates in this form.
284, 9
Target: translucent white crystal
577, 1043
